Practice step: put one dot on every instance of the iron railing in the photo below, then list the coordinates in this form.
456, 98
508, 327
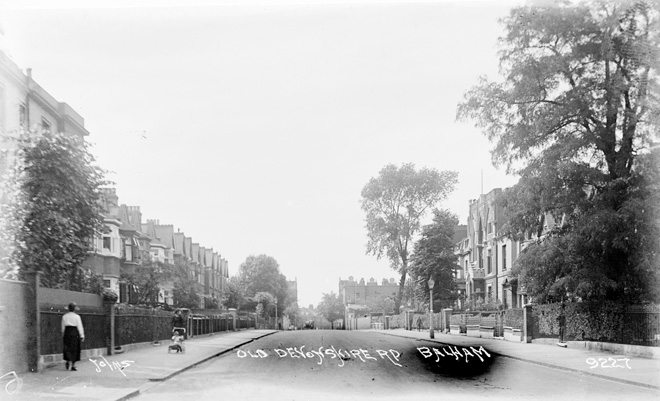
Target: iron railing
94, 325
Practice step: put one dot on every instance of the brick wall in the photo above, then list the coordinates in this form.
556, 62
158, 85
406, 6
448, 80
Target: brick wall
14, 311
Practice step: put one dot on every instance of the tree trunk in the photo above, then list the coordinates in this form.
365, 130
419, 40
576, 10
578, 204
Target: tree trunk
397, 303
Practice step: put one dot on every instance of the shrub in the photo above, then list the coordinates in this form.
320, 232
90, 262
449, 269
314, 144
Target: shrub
109, 295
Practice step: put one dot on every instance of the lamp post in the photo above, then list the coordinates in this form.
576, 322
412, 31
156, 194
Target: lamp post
408, 323
277, 326
431, 283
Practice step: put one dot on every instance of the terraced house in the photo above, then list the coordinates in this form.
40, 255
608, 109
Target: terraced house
487, 255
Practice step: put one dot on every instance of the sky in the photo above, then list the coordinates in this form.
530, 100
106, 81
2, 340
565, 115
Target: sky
253, 126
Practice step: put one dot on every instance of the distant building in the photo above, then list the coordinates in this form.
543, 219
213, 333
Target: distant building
359, 297
358, 294
293, 291
105, 260
161, 251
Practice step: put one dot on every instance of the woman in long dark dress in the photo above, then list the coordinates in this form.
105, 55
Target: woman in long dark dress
73, 334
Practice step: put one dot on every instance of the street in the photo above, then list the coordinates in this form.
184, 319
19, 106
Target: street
321, 364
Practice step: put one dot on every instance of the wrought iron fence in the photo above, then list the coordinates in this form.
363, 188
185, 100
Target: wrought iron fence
640, 326
94, 325
200, 324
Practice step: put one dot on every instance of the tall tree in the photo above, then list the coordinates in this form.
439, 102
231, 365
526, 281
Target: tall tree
57, 212
265, 304
148, 278
186, 289
262, 274
331, 308
433, 257
234, 296
577, 105
394, 203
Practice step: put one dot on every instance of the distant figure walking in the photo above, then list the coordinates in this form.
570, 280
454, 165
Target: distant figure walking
72, 336
178, 322
419, 323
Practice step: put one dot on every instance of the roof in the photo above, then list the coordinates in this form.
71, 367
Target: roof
195, 252
150, 230
460, 232
130, 217
187, 247
165, 233
179, 243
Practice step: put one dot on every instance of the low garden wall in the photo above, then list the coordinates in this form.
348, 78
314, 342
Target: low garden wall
505, 324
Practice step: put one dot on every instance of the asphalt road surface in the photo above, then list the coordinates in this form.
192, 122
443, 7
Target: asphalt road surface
353, 365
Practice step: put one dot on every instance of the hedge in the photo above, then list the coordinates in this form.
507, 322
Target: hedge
585, 321
514, 318
602, 321
546, 318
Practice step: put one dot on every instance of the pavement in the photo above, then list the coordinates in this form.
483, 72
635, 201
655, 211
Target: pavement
642, 372
122, 376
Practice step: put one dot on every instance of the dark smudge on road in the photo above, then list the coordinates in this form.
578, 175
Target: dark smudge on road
454, 361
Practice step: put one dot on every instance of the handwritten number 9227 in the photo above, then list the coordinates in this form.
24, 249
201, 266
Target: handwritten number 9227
607, 363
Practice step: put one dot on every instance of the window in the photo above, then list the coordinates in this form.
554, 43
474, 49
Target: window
22, 115
503, 257
128, 250
107, 243
489, 262
45, 124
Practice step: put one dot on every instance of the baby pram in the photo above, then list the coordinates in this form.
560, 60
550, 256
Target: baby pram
178, 345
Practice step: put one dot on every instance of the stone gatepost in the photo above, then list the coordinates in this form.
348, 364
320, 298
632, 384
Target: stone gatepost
446, 319
109, 310
528, 323
33, 322
232, 311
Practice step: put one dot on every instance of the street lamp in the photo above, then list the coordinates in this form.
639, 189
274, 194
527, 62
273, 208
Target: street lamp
431, 283
277, 326
408, 323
